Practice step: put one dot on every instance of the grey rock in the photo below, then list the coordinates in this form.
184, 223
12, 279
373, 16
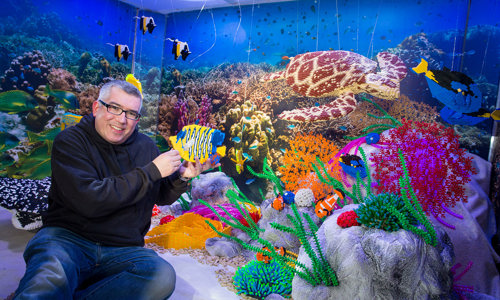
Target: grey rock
276, 237
374, 264
222, 247
210, 187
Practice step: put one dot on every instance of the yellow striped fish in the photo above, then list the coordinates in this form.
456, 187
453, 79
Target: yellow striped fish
198, 141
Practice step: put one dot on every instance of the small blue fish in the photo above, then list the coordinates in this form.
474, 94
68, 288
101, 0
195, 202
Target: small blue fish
30, 88
268, 97
253, 147
248, 74
291, 126
12, 55
250, 181
247, 156
14, 79
316, 104
283, 150
269, 129
236, 139
244, 126
37, 70
343, 128
239, 81
21, 76
235, 92
248, 118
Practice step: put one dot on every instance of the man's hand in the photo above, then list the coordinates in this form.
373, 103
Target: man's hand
168, 162
192, 169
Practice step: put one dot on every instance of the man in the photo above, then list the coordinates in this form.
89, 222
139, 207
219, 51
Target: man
106, 178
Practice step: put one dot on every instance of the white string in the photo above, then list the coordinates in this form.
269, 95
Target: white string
357, 31
215, 38
239, 23
317, 26
455, 40
371, 46
338, 26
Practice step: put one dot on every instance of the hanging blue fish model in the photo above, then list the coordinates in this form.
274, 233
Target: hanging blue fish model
457, 91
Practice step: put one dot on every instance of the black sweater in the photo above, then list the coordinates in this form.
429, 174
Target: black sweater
106, 192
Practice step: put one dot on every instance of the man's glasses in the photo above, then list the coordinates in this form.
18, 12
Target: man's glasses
116, 110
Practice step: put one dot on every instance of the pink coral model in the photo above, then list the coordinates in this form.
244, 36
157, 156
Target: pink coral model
438, 167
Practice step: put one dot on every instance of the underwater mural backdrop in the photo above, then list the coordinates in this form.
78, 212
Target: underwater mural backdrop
286, 95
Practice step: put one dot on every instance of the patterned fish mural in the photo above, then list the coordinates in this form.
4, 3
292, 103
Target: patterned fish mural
16, 101
198, 141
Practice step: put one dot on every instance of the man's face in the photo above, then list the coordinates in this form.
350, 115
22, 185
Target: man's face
112, 128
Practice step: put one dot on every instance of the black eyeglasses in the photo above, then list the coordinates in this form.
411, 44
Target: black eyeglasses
116, 110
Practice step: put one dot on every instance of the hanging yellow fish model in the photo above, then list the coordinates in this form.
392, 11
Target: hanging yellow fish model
239, 161
198, 141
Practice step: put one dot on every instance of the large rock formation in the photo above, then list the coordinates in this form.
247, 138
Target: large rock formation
375, 264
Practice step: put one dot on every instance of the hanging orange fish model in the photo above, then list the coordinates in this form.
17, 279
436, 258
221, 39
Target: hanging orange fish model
325, 207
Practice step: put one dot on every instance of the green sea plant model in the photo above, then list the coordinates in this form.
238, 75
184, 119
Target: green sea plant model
321, 272
412, 204
258, 279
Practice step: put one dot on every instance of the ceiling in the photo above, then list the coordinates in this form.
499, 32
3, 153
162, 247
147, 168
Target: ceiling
170, 6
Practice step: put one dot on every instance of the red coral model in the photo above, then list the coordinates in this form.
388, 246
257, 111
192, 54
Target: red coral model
348, 219
437, 166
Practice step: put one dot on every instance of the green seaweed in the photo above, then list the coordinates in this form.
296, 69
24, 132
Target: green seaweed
414, 207
377, 128
356, 194
268, 173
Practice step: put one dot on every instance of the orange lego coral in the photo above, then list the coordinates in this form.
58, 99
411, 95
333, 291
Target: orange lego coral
297, 171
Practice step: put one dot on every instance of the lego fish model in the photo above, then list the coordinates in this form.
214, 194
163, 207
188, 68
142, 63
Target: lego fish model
180, 49
198, 141
457, 91
147, 24
121, 51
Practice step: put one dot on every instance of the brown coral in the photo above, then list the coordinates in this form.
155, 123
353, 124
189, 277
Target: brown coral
297, 171
60, 79
86, 97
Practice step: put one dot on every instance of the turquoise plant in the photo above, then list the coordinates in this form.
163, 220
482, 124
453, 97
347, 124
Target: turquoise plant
376, 212
258, 279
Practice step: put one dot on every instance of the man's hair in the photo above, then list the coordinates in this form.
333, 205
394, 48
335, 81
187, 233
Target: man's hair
122, 85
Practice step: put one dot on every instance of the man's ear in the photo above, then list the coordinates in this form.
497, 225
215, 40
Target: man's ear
95, 106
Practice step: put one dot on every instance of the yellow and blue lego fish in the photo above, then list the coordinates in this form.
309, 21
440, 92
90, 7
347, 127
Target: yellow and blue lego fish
198, 141
70, 119
134, 81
